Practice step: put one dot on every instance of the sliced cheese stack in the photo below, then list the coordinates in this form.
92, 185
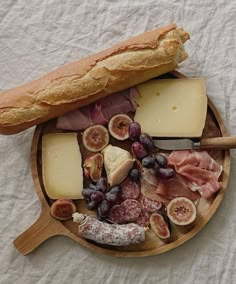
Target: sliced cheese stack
62, 166
172, 107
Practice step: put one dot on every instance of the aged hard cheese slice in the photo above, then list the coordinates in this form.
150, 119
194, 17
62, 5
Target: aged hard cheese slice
172, 107
117, 162
61, 165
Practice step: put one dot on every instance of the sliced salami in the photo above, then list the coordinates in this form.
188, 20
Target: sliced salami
130, 189
132, 209
143, 218
117, 214
150, 205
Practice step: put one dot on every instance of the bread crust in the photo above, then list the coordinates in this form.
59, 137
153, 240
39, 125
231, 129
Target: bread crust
82, 82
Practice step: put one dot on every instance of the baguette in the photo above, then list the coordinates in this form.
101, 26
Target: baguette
82, 82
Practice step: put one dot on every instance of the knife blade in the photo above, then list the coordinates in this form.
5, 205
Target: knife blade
188, 144
176, 144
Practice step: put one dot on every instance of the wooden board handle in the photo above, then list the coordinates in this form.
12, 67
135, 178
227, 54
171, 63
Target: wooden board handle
219, 143
44, 228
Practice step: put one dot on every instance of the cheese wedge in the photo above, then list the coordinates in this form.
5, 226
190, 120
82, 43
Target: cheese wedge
117, 162
172, 107
62, 166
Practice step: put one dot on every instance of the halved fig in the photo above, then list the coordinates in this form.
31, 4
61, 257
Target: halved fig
95, 138
181, 211
93, 165
62, 209
118, 126
160, 225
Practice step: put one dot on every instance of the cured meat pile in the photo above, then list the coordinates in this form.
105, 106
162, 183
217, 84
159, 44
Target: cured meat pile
99, 112
197, 175
200, 170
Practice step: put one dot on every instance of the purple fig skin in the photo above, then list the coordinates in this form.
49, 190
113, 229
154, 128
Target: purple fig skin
93, 165
161, 217
62, 209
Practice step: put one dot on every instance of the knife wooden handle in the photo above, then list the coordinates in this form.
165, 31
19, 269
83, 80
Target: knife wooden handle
219, 143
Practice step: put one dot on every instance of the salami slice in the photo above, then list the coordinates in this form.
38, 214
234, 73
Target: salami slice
132, 209
143, 218
130, 189
117, 214
150, 205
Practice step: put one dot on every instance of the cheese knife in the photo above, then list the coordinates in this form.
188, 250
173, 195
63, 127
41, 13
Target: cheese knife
188, 144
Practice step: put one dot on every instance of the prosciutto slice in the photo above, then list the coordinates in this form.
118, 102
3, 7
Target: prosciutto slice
71, 120
116, 103
200, 170
99, 112
164, 191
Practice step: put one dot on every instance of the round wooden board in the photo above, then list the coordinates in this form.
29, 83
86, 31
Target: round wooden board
46, 226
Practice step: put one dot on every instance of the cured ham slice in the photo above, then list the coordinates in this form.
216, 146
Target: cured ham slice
199, 159
71, 119
82, 118
116, 103
164, 191
202, 180
200, 170
176, 187
96, 115
99, 112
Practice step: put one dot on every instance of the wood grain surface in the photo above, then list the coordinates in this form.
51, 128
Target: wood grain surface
46, 226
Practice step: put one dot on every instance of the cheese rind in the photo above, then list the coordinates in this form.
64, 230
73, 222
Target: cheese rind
172, 107
62, 166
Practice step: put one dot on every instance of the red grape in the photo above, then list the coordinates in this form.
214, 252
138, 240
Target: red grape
134, 175
134, 131
147, 141
97, 196
91, 205
165, 173
102, 185
113, 195
103, 209
148, 162
138, 150
161, 160
87, 192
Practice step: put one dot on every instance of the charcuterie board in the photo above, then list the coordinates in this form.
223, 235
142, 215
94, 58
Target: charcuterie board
46, 226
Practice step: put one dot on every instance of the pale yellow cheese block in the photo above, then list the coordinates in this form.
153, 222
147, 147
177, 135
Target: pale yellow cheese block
172, 107
62, 166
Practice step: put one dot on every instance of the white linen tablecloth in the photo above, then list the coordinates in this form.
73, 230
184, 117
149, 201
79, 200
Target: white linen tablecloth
40, 35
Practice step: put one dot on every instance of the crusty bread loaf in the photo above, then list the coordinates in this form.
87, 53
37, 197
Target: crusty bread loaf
79, 83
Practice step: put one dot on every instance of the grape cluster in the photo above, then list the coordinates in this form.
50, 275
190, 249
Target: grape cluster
99, 196
143, 147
